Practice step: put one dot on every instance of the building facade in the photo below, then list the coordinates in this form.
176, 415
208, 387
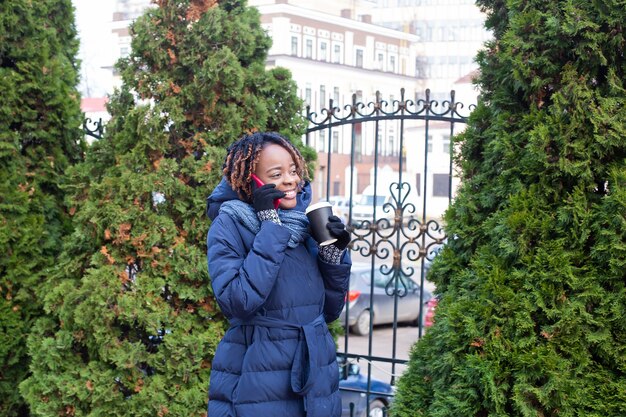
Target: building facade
450, 34
337, 59
344, 50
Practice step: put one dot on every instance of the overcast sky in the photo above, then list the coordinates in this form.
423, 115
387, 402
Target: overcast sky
93, 21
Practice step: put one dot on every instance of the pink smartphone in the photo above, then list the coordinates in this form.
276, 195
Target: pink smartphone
260, 183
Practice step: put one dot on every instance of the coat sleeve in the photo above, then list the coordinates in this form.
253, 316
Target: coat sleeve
242, 281
336, 282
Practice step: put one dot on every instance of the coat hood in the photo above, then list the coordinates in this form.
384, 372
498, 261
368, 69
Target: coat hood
223, 192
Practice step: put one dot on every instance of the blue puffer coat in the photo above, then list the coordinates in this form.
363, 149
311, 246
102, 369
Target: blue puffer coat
278, 358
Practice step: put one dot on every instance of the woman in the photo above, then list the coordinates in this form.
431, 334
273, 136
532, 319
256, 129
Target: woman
275, 285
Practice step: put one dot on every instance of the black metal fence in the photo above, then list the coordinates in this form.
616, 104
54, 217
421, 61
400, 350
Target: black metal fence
393, 211
94, 128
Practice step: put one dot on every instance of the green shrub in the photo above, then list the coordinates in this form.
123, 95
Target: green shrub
133, 325
39, 139
532, 284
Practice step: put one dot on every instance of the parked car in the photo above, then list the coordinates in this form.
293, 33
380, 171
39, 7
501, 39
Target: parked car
341, 206
358, 300
352, 388
384, 205
429, 317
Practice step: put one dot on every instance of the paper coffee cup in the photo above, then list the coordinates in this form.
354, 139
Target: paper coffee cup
318, 215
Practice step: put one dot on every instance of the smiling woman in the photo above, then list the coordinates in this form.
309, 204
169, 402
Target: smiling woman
276, 166
275, 285
271, 158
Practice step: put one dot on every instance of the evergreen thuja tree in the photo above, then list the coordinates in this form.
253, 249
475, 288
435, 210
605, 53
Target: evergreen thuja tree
39, 138
533, 280
132, 324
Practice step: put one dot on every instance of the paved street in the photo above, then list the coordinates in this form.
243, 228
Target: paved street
382, 345
382, 340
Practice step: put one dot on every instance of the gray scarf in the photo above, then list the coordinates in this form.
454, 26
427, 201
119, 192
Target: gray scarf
294, 220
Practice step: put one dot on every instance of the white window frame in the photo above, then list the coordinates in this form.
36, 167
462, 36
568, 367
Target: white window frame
337, 53
306, 50
297, 45
335, 144
321, 141
380, 60
323, 52
393, 63
356, 57
308, 94
446, 144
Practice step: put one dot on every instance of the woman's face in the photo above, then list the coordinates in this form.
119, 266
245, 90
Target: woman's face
276, 166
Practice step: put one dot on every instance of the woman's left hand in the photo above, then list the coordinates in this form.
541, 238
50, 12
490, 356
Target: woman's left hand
338, 230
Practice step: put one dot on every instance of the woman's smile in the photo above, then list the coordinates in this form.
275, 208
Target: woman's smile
290, 194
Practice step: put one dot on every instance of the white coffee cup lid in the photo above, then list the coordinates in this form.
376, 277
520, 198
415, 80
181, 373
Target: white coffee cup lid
316, 206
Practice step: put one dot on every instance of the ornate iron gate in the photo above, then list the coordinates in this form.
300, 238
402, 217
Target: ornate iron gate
398, 235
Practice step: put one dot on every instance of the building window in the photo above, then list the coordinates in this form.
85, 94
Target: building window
380, 61
392, 63
322, 96
309, 49
421, 64
430, 144
336, 96
390, 144
294, 45
307, 95
359, 58
441, 185
359, 146
335, 142
439, 34
323, 51
358, 139
337, 54
446, 144
322, 141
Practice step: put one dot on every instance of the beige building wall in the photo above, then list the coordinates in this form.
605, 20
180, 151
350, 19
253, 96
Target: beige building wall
335, 57
331, 7
450, 33
340, 48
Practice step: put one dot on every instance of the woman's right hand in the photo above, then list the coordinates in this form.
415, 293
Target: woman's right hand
263, 197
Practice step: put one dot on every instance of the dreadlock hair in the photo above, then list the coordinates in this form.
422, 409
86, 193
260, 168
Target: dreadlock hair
243, 155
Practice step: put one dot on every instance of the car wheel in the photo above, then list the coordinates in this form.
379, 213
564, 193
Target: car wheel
377, 409
362, 325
